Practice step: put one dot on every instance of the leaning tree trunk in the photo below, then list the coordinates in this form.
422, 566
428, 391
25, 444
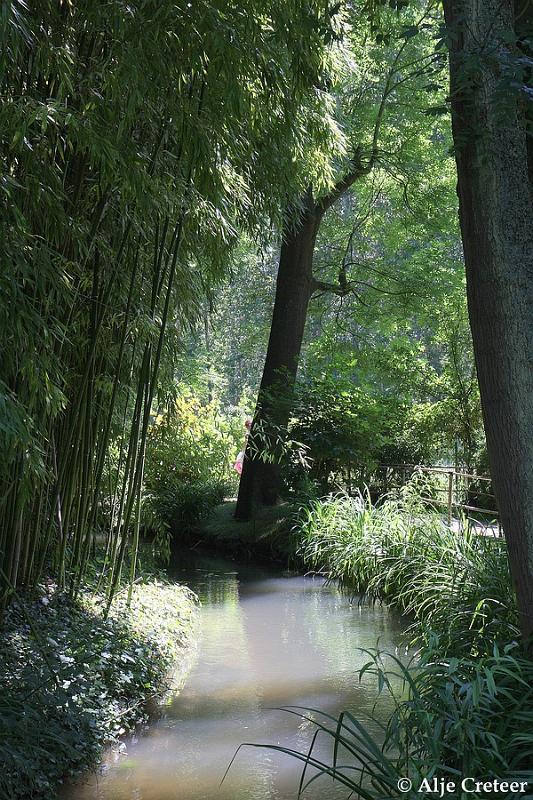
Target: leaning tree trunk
496, 215
260, 482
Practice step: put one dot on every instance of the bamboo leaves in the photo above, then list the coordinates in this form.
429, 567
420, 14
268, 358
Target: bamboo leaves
128, 144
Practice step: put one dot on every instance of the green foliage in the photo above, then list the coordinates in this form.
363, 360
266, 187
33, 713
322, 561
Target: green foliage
342, 426
129, 144
189, 461
350, 425
453, 718
179, 506
192, 440
463, 704
454, 581
74, 681
386, 372
267, 536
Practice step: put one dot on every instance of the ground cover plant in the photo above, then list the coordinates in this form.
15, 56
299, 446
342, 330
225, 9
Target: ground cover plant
74, 681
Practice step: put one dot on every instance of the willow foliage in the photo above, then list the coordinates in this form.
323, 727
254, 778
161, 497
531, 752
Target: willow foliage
136, 139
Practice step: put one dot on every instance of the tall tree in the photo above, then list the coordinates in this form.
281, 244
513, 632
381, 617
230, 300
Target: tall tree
490, 84
259, 484
363, 120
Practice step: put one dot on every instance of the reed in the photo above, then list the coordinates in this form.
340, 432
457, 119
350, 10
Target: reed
463, 702
452, 718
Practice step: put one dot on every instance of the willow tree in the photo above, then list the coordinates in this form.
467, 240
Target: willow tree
491, 68
380, 68
130, 135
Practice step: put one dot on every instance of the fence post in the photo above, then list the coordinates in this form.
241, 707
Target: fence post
450, 496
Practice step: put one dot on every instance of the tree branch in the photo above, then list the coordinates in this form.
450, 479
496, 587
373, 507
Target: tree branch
325, 287
357, 170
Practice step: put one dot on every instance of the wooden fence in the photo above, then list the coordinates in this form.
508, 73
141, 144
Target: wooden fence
451, 489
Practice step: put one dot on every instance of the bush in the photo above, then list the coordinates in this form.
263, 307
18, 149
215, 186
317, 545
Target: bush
189, 463
342, 426
349, 430
192, 441
182, 505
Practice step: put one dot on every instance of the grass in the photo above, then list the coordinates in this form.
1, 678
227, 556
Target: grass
453, 582
73, 682
453, 719
464, 704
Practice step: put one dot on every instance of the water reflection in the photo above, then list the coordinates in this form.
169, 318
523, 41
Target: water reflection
267, 641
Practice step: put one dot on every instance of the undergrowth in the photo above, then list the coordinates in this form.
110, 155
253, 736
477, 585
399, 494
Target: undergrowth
450, 580
73, 681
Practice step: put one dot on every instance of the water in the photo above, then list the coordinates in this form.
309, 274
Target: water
267, 641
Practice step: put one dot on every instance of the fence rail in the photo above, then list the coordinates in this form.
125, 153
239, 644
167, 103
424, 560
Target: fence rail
454, 490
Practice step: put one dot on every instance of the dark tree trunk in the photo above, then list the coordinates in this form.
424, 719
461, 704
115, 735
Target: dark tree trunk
496, 213
260, 484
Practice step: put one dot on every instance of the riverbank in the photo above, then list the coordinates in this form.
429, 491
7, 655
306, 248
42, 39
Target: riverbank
269, 537
450, 581
74, 682
465, 707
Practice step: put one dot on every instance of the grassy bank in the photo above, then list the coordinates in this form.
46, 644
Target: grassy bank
464, 703
73, 682
449, 581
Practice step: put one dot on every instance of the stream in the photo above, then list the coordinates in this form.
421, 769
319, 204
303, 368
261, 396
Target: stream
267, 640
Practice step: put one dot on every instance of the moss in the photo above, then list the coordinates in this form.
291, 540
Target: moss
73, 682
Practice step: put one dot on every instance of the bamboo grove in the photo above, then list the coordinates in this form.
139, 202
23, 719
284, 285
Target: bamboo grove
128, 161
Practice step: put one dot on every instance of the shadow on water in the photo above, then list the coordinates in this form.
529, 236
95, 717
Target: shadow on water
268, 640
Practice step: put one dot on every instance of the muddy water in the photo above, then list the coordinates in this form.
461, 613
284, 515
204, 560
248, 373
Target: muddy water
267, 641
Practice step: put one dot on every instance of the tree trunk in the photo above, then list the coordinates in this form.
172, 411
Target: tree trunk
496, 213
260, 483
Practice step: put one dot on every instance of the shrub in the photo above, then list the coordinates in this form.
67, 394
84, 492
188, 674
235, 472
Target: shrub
192, 441
182, 505
190, 454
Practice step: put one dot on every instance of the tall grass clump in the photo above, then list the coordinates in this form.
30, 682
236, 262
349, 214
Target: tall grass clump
452, 718
448, 580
